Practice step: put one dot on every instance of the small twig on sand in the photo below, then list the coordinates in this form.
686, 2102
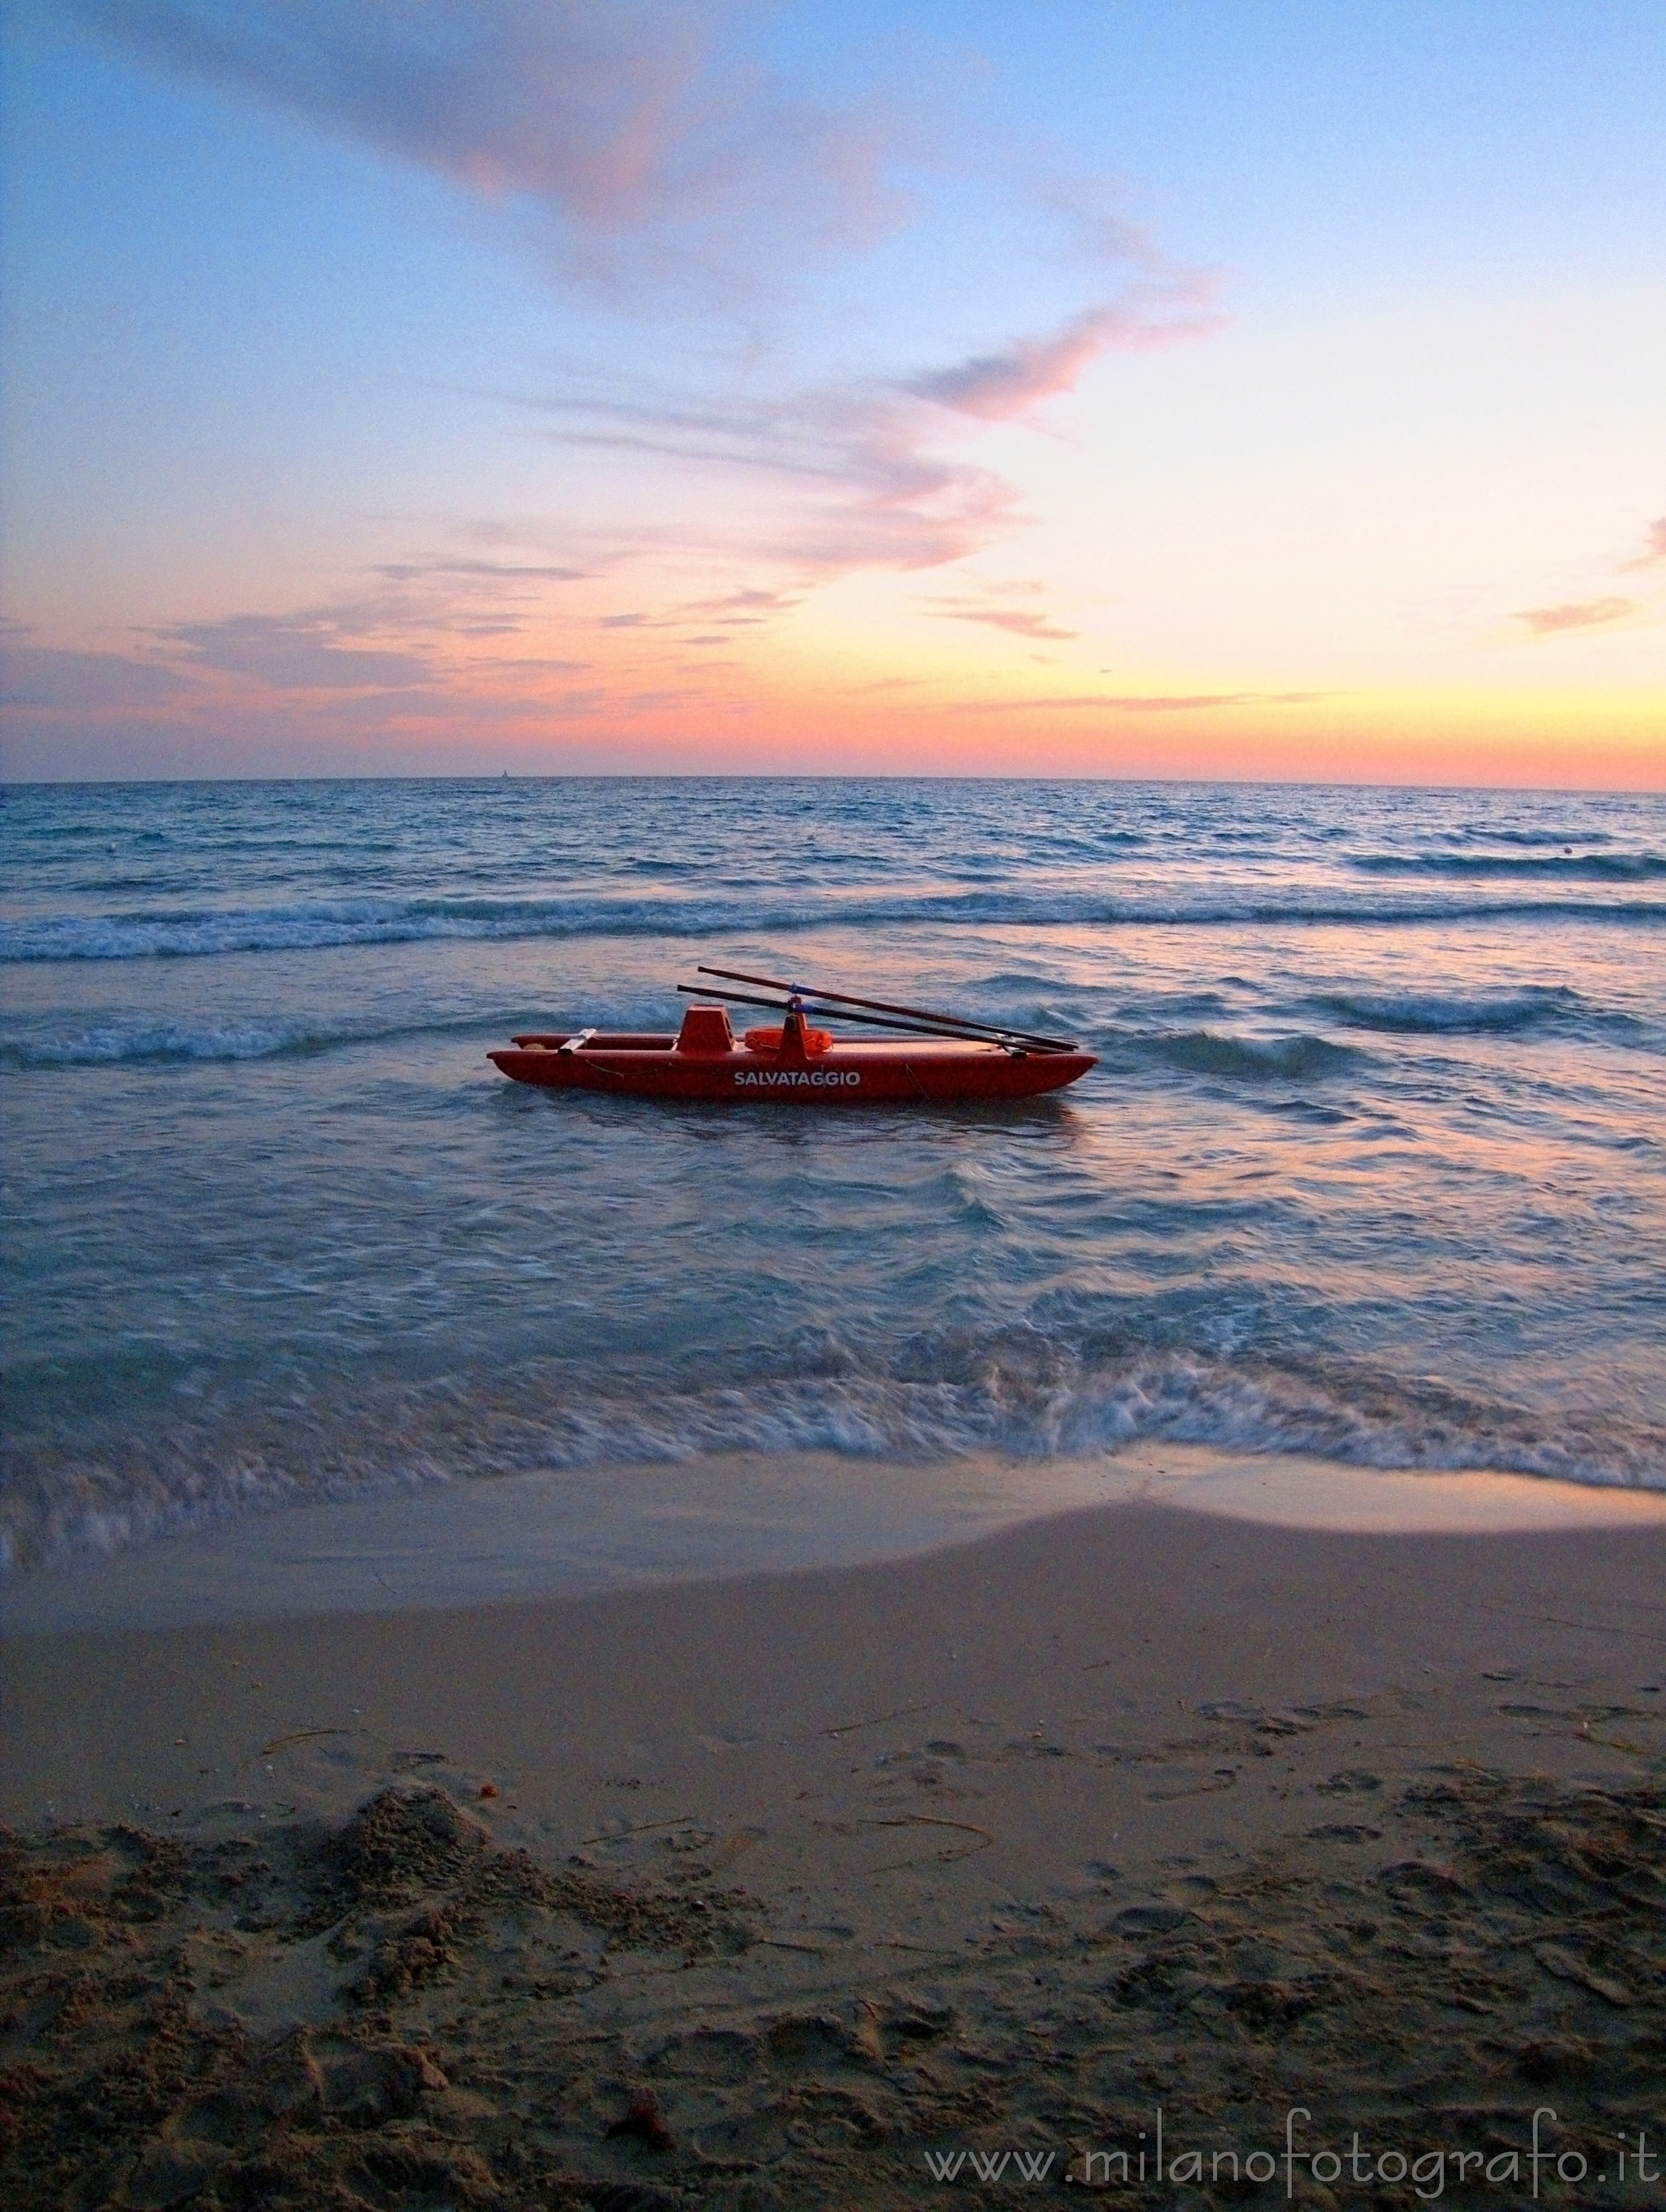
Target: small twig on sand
903, 1713
305, 1735
985, 1840
925, 1820
1557, 1620
646, 1828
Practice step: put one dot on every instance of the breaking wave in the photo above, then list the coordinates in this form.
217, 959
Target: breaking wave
201, 933
104, 1490
1282, 1060
120, 1043
1428, 1014
1532, 865
1529, 866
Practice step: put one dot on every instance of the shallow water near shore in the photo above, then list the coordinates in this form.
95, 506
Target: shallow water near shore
562, 1533
1370, 1170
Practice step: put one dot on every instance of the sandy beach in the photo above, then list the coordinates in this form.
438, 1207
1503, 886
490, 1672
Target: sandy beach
778, 1888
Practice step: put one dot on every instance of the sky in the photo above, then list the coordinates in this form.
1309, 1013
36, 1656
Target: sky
1243, 388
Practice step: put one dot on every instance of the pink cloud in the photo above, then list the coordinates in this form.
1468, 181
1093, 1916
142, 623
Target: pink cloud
1148, 702
47, 679
391, 637
643, 151
890, 500
874, 487
1021, 621
512, 574
1575, 614
863, 484
297, 652
752, 605
996, 386
1654, 548
1102, 232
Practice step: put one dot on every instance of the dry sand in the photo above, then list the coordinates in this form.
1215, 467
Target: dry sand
792, 1880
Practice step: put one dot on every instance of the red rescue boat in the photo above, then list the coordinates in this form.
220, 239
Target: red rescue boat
937, 1060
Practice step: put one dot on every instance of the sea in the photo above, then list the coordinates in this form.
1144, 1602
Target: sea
1373, 1166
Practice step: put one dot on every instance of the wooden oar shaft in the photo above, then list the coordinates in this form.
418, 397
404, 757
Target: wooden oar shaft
962, 1022
809, 1004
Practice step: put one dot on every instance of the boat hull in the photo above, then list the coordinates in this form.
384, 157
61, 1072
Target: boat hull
940, 1071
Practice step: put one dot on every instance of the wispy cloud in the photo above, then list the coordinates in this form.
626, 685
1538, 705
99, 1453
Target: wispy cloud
869, 471
893, 498
513, 574
735, 609
996, 386
738, 610
1097, 229
877, 485
1021, 621
396, 634
1574, 614
1147, 703
296, 652
642, 149
51, 680
1654, 548
863, 477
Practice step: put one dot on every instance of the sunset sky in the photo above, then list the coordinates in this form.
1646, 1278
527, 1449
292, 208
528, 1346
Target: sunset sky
1178, 387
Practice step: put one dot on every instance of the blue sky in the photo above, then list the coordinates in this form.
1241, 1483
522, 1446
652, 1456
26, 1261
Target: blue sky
1150, 388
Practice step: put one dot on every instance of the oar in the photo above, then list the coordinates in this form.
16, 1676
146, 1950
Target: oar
965, 1022
962, 1022
843, 1014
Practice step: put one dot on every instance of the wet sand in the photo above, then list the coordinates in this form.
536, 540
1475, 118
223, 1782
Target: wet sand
787, 1881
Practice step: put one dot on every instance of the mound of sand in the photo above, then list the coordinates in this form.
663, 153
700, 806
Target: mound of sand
394, 2012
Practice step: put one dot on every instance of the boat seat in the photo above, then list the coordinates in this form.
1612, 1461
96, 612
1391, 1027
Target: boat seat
705, 1029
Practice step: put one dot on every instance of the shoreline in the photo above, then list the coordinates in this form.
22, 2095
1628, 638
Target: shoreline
565, 1533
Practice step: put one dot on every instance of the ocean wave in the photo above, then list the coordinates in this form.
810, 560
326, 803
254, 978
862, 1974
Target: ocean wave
1534, 865
1413, 1013
1279, 1060
96, 1490
1536, 838
776, 911
119, 1044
